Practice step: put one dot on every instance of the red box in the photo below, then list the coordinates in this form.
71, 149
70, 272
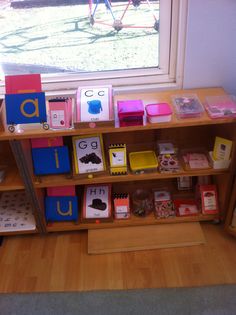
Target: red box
130, 113
209, 199
61, 191
47, 142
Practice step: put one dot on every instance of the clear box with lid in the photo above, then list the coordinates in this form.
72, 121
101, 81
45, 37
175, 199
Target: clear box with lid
221, 106
187, 106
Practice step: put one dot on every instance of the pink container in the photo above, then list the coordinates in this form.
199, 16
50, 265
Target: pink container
160, 112
61, 191
47, 142
130, 113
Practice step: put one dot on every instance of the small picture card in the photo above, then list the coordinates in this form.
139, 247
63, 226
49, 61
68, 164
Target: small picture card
88, 154
166, 148
94, 103
97, 202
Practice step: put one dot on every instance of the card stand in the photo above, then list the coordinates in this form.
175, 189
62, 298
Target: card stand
95, 221
94, 124
219, 164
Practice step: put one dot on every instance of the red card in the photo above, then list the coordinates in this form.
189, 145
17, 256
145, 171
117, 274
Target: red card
25, 83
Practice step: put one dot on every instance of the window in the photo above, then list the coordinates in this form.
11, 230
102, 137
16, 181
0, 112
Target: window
129, 44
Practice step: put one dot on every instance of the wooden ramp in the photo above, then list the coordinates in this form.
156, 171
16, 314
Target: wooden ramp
144, 237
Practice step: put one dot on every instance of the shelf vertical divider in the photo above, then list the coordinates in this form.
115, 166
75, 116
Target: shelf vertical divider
27, 179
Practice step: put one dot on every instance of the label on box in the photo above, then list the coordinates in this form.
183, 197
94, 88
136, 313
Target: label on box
125, 215
121, 209
209, 200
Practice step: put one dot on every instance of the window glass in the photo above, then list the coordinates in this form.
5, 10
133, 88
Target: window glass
86, 37
124, 43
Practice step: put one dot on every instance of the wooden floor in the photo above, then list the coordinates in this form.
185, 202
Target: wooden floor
59, 262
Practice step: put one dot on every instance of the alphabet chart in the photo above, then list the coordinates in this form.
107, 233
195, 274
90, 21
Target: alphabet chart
15, 212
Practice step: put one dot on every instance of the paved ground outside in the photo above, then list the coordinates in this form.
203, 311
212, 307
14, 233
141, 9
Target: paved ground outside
61, 38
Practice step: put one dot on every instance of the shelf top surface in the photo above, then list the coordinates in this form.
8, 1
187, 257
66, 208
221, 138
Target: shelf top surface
148, 98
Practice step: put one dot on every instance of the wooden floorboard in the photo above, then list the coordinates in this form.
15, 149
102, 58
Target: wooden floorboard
60, 262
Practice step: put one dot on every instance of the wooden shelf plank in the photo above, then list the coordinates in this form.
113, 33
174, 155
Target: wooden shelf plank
12, 179
63, 180
133, 221
20, 232
144, 238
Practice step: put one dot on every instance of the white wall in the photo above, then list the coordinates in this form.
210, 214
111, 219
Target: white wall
210, 58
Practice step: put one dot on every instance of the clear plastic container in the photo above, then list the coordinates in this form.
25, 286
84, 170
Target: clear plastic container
142, 201
195, 159
187, 106
222, 106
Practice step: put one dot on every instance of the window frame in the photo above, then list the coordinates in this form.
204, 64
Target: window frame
169, 74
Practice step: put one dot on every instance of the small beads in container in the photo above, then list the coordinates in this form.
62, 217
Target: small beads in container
142, 201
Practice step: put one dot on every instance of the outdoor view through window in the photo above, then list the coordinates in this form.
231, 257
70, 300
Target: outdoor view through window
51, 36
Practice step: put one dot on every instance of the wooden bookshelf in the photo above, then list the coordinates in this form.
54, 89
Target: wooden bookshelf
185, 133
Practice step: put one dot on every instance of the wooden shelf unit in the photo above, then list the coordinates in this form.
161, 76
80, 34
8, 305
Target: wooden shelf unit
185, 133
13, 181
